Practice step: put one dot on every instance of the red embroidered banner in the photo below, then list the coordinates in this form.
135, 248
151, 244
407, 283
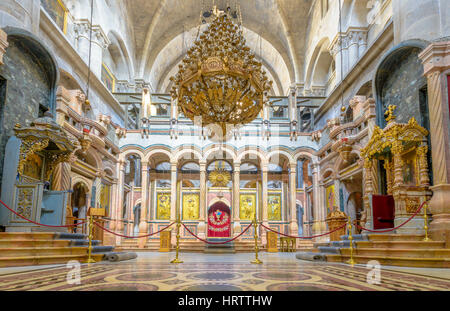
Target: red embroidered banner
219, 221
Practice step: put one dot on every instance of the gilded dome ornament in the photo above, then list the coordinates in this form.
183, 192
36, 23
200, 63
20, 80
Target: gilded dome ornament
219, 177
220, 80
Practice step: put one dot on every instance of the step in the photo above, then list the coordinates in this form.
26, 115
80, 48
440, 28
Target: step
329, 249
41, 251
71, 236
389, 252
394, 261
82, 242
27, 235
401, 244
45, 260
355, 237
12, 243
396, 237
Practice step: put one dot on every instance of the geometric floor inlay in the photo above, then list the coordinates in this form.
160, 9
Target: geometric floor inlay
228, 272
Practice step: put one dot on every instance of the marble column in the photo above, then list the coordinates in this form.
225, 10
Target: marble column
113, 207
203, 198
264, 198
293, 223
143, 224
236, 198
3, 45
315, 226
120, 195
173, 192
436, 60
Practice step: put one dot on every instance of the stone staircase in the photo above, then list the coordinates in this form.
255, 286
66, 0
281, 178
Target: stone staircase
406, 250
42, 248
240, 246
227, 248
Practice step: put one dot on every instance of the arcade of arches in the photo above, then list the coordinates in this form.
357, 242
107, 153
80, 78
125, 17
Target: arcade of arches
356, 126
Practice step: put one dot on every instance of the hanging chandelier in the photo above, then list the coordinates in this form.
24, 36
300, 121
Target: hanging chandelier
220, 80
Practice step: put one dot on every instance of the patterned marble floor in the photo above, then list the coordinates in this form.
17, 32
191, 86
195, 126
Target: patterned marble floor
210, 272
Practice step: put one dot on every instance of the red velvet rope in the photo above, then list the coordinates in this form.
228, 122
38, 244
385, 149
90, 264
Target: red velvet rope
303, 237
392, 229
132, 237
36, 223
207, 242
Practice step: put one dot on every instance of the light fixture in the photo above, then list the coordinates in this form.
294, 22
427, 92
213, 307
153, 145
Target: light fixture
220, 80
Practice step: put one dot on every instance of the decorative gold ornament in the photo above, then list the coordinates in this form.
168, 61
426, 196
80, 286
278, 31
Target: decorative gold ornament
390, 113
219, 177
219, 80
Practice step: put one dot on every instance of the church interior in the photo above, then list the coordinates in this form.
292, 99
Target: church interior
225, 145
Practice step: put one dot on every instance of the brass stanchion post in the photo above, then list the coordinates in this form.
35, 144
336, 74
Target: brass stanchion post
177, 249
425, 219
350, 238
91, 225
256, 261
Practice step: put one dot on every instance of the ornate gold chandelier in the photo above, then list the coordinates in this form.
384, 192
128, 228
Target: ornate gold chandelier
220, 80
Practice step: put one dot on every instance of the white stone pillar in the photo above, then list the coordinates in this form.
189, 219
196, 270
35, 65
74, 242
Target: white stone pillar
316, 198
202, 224
143, 224
293, 222
236, 199
173, 191
353, 48
120, 195
265, 199
99, 42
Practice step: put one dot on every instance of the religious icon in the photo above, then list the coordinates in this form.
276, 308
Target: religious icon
274, 209
163, 206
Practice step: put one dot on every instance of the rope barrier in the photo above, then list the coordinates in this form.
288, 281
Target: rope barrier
207, 242
39, 224
392, 229
303, 237
132, 237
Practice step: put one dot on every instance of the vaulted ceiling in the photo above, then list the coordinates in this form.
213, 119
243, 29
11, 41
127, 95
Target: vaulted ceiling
158, 24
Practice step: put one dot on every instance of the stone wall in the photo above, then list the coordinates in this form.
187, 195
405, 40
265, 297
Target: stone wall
402, 86
27, 87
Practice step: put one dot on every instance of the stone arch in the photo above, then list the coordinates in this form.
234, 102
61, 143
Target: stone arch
192, 150
40, 54
252, 152
302, 153
209, 151
216, 200
124, 69
125, 152
158, 150
283, 153
162, 66
321, 46
328, 171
